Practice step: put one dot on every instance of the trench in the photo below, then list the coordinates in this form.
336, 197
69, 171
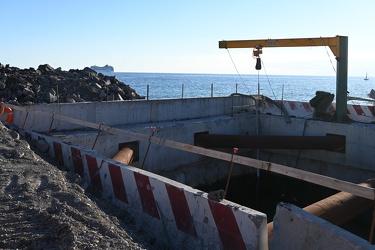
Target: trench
274, 188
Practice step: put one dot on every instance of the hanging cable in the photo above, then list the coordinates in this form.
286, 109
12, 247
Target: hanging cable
257, 51
325, 46
268, 80
237, 71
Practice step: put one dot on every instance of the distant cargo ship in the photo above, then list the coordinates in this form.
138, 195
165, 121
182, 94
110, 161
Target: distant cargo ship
104, 68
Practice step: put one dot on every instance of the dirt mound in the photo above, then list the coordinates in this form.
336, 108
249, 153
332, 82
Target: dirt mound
43, 207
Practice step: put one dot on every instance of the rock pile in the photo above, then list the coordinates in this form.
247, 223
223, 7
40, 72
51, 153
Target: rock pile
44, 207
49, 85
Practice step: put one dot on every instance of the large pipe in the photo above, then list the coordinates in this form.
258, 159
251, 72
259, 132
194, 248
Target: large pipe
338, 208
328, 142
125, 155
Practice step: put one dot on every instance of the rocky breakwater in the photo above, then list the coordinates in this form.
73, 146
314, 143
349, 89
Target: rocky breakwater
49, 85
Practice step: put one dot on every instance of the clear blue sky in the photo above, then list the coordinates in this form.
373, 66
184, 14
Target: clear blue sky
182, 36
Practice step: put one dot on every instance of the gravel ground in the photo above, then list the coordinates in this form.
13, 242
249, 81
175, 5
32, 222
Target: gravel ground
44, 207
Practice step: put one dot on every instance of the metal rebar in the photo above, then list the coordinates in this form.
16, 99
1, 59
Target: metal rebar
230, 172
97, 136
148, 147
50, 126
24, 122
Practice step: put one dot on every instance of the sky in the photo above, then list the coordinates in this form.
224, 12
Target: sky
182, 36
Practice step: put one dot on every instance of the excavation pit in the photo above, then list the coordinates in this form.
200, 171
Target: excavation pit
157, 185
265, 192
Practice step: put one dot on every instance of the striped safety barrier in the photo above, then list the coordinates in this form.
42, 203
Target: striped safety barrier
179, 216
359, 113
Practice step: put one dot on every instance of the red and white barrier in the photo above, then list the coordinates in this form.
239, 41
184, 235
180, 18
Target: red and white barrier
178, 215
359, 113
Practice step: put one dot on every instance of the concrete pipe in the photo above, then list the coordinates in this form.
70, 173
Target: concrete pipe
125, 155
338, 208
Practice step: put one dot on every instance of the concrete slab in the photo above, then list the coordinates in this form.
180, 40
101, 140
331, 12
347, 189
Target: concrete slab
295, 228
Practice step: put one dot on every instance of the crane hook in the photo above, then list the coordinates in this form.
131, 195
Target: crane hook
258, 65
257, 51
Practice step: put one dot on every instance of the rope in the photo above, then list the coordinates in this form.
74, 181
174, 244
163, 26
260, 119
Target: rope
265, 72
269, 82
325, 46
237, 71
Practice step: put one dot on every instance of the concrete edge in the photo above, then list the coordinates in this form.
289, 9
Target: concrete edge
295, 228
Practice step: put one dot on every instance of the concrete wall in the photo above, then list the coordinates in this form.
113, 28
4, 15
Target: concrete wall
295, 228
355, 165
178, 165
183, 217
174, 119
128, 112
180, 217
179, 119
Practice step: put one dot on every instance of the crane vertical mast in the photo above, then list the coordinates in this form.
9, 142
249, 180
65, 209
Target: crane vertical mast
338, 46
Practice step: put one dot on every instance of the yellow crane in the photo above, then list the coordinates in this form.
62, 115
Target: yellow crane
337, 44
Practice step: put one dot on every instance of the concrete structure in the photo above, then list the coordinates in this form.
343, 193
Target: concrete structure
295, 228
120, 113
180, 119
354, 164
175, 119
169, 172
179, 216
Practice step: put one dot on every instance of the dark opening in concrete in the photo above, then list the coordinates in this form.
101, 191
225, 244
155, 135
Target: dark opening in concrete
134, 145
265, 193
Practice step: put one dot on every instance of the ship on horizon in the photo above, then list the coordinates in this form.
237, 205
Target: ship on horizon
104, 68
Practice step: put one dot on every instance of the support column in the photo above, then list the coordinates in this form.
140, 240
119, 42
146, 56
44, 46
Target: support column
342, 79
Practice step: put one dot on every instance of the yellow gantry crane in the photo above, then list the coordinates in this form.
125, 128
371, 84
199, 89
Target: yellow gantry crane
337, 44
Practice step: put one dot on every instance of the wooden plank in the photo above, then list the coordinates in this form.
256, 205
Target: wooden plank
322, 180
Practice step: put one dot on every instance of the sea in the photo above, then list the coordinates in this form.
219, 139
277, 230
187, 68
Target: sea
277, 87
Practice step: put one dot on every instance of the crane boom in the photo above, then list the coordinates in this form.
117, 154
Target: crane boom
332, 42
338, 46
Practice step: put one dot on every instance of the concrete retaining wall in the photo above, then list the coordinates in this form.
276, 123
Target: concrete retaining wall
179, 119
185, 167
128, 112
295, 228
184, 213
355, 165
178, 215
